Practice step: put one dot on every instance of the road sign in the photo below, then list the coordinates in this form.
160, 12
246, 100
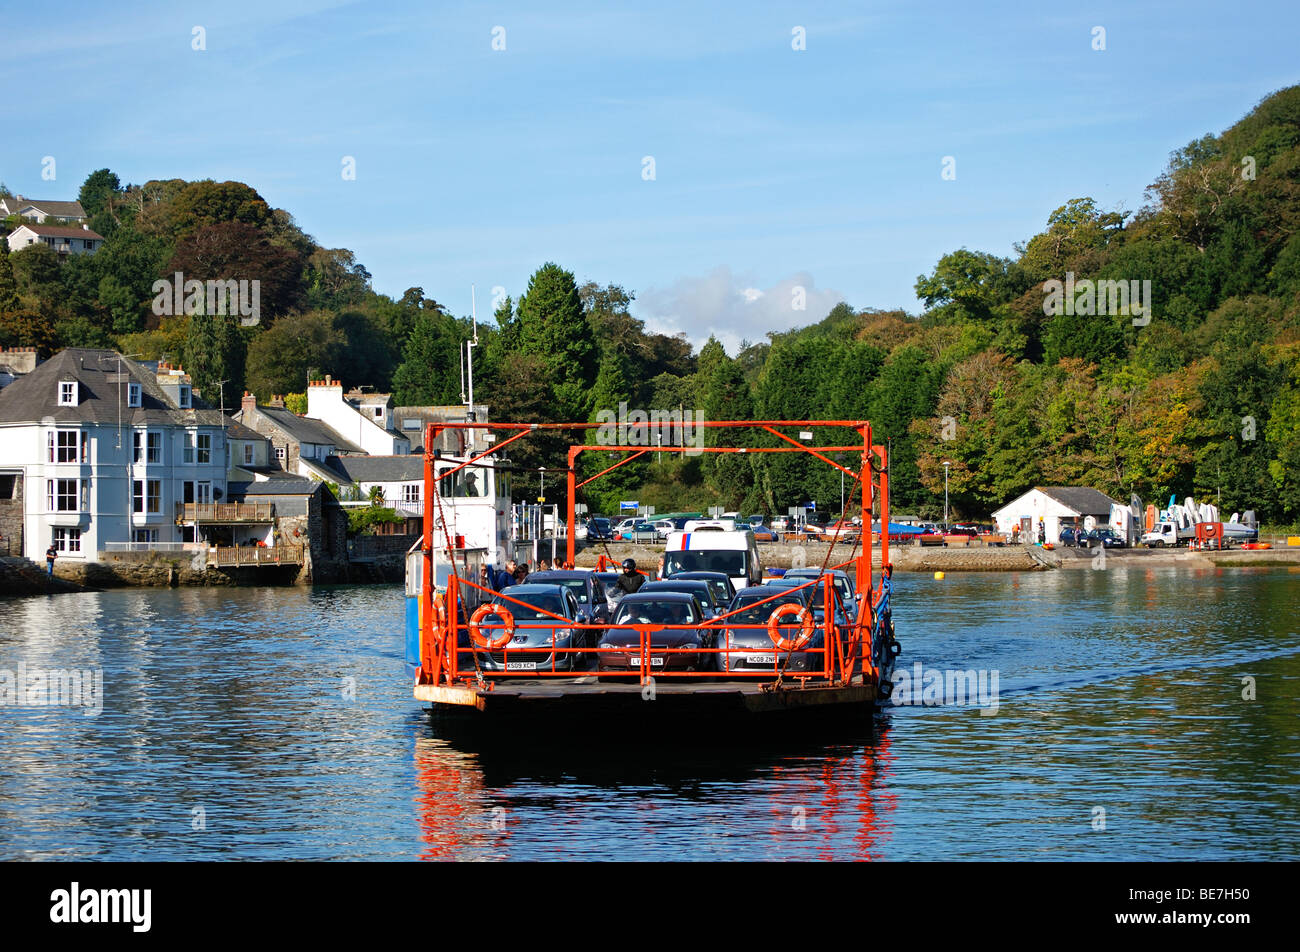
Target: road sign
715, 512
628, 504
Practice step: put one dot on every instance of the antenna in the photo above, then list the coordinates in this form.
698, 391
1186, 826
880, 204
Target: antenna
469, 349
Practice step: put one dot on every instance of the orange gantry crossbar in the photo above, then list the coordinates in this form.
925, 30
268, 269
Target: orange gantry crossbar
440, 621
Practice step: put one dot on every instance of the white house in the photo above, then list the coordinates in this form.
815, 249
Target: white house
38, 210
1055, 507
365, 419
60, 238
95, 454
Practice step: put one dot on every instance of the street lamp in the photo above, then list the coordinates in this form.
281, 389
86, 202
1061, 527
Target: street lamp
946, 464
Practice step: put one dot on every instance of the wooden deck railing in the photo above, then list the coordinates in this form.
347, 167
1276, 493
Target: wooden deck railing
256, 555
225, 512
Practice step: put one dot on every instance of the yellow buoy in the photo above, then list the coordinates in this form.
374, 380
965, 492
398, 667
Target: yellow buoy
938, 576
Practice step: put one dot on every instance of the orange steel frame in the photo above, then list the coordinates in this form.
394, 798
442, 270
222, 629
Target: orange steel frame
439, 636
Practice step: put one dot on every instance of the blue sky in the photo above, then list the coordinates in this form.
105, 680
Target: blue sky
774, 168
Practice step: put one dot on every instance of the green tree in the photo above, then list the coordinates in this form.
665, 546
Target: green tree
430, 370
552, 326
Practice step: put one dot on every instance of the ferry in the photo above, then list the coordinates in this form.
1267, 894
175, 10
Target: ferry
535, 657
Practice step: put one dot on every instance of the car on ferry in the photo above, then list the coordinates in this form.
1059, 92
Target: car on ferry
750, 648
535, 628
704, 593
842, 581
586, 587
723, 590
657, 608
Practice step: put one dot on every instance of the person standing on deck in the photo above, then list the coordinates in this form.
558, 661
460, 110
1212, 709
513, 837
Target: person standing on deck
50, 555
505, 577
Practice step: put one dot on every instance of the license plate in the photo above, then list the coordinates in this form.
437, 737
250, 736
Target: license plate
760, 659
521, 665
635, 661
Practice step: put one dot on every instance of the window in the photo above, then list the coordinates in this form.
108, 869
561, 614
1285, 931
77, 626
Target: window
155, 448
184, 399
411, 492
379, 411
8, 485
146, 496
67, 393
189, 447
63, 445
248, 454
279, 453
205, 448
66, 540
203, 492
61, 495
133, 395
146, 535
410, 424
137, 447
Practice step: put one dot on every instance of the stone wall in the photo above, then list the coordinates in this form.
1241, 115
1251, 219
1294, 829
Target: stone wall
11, 517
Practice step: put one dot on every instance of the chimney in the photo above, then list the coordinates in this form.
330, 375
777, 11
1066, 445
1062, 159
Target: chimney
85, 227
277, 402
249, 403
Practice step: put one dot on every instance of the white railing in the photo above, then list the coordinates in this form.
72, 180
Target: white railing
154, 546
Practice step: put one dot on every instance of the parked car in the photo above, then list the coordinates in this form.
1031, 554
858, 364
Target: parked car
780, 524
663, 527
723, 590
763, 534
657, 608
640, 532
842, 580
704, 592
965, 528
751, 648
599, 530
586, 587
535, 628
1070, 535
1103, 537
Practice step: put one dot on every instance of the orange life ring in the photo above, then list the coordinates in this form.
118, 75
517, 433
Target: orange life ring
439, 610
805, 627
507, 630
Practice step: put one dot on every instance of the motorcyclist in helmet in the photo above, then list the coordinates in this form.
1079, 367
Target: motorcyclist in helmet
631, 580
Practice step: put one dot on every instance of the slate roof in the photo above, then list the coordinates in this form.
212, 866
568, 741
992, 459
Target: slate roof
101, 394
274, 487
379, 469
307, 430
1082, 499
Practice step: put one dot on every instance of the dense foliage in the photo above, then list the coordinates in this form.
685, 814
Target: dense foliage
1202, 399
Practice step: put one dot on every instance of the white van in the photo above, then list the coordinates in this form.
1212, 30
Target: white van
715, 550
723, 525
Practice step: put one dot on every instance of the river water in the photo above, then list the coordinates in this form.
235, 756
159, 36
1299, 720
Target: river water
1142, 713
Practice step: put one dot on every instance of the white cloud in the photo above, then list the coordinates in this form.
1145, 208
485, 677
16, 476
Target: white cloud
729, 307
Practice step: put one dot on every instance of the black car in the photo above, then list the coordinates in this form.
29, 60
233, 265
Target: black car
723, 590
586, 587
1103, 537
1071, 535
599, 530
704, 592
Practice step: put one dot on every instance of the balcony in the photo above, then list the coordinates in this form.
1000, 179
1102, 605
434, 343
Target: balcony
225, 513
255, 555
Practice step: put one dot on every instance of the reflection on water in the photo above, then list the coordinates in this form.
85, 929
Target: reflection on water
276, 723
